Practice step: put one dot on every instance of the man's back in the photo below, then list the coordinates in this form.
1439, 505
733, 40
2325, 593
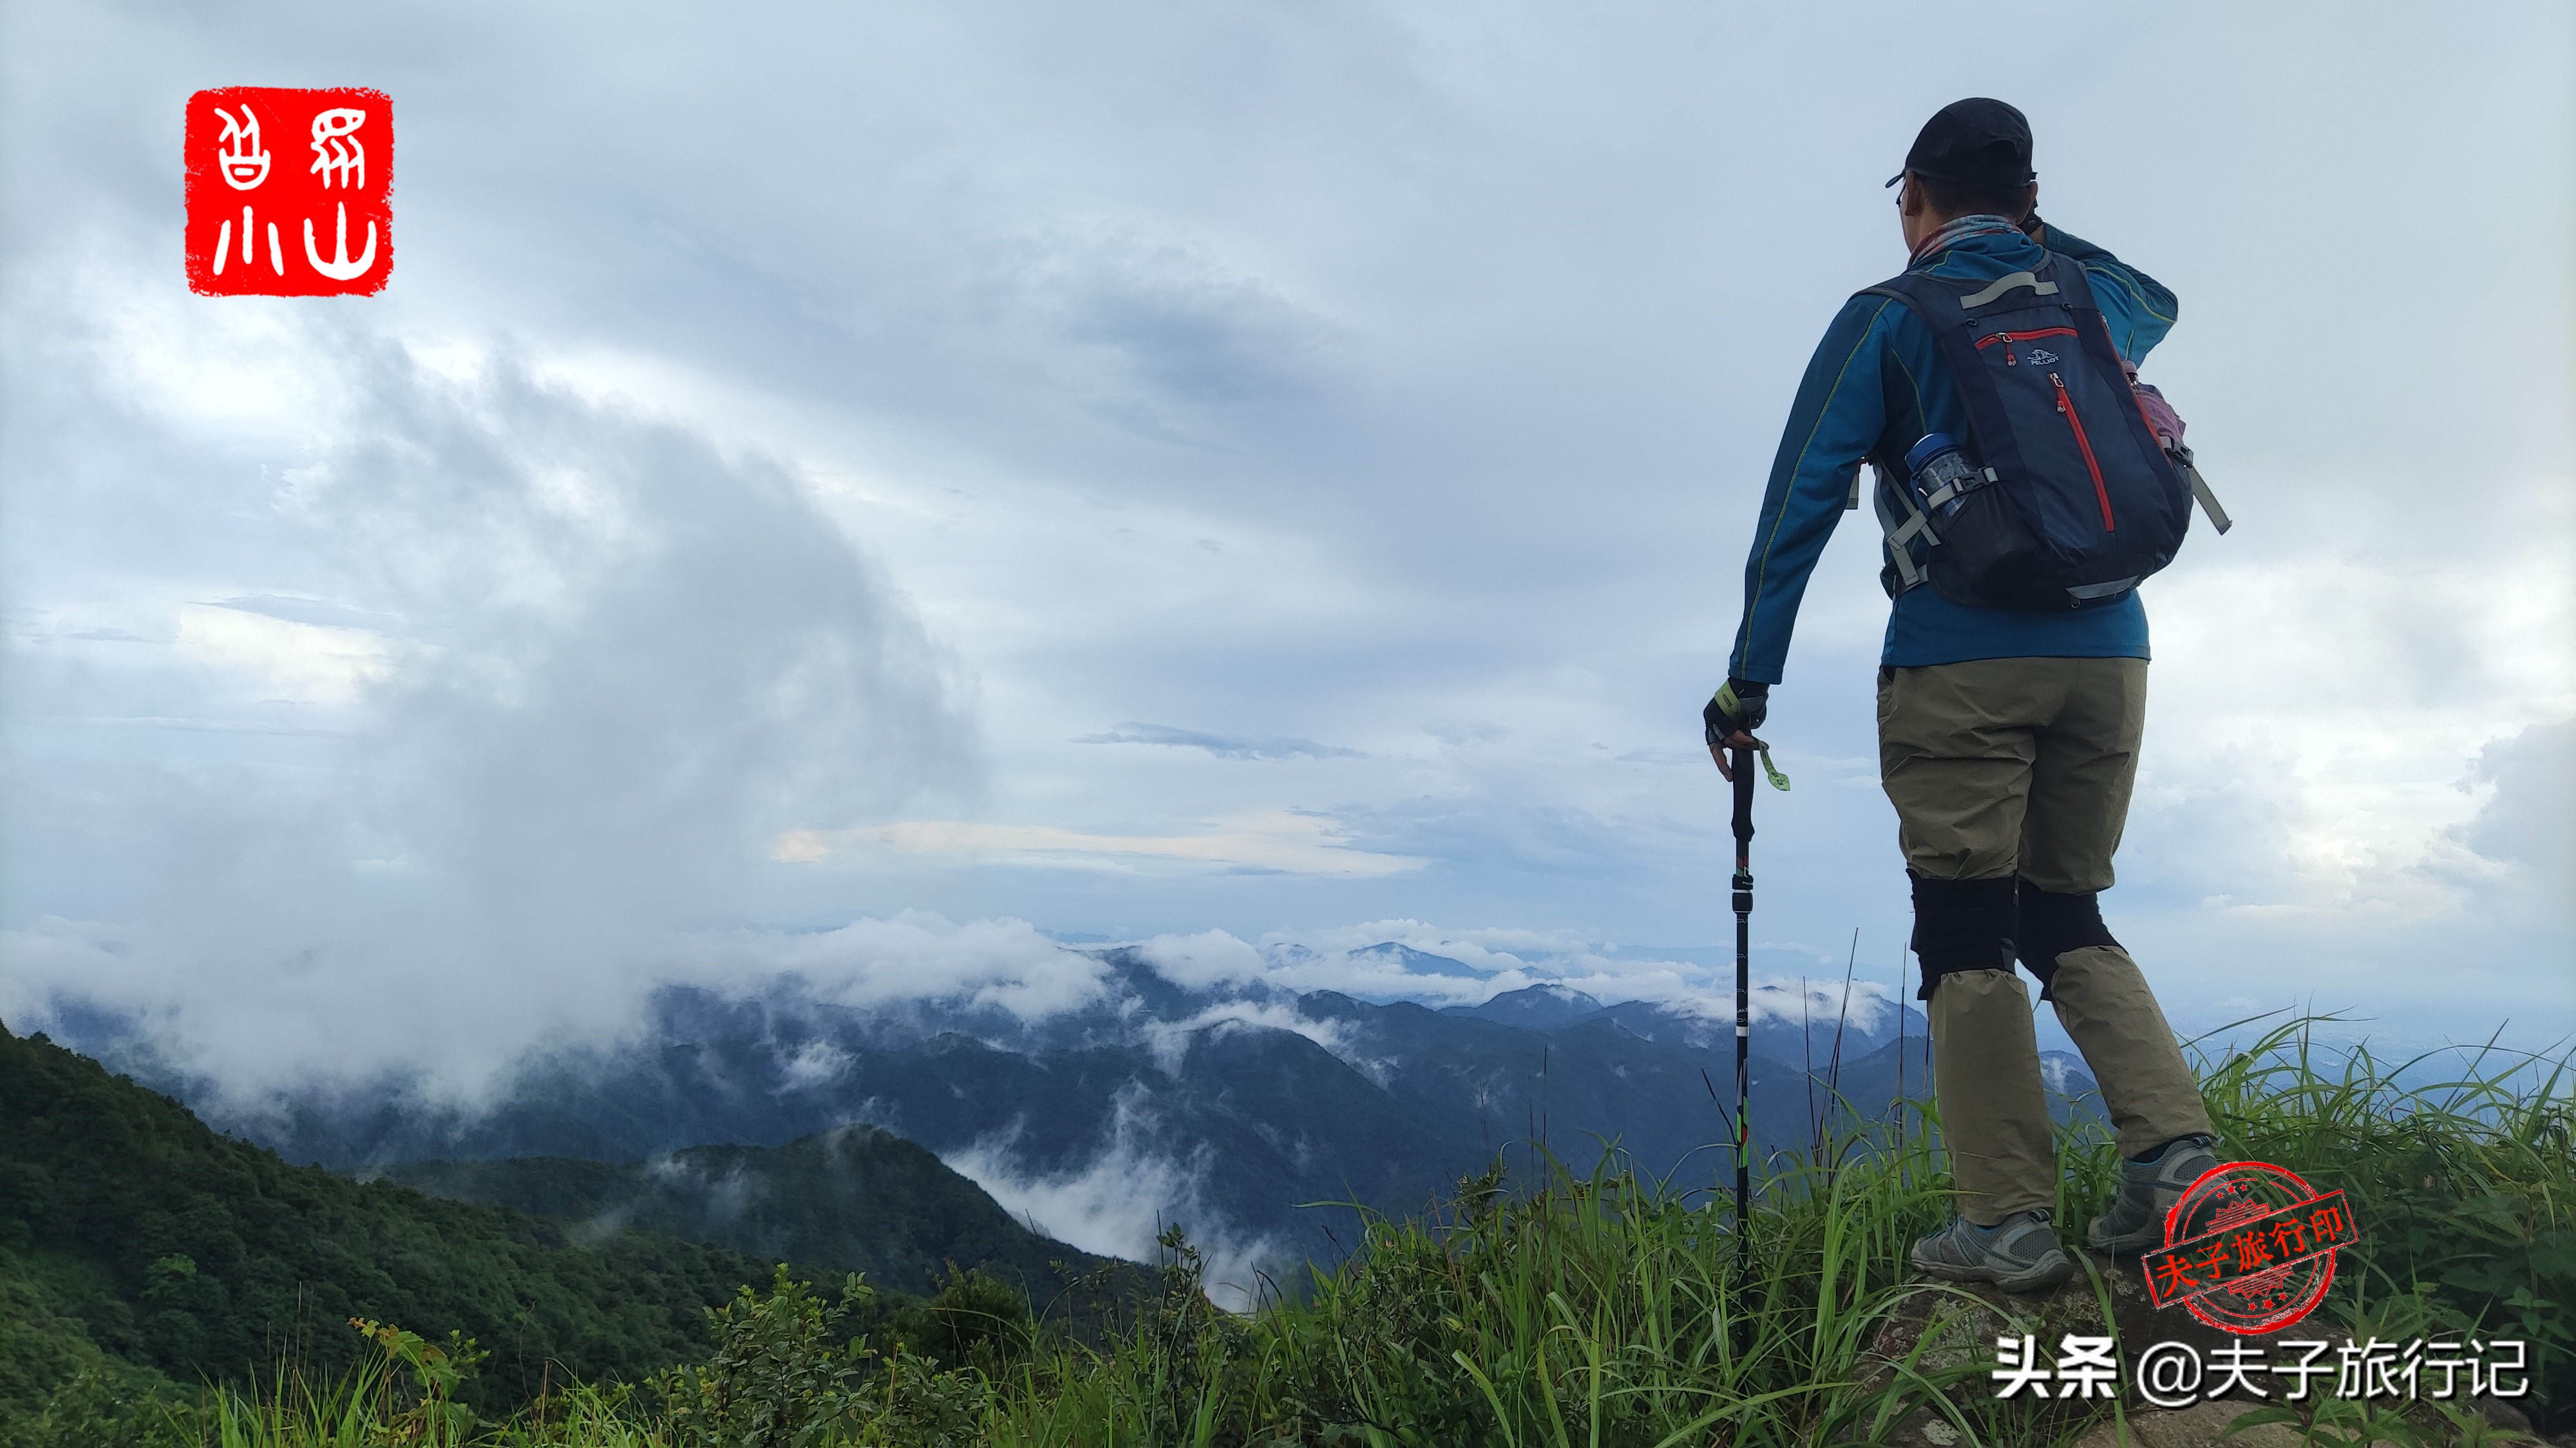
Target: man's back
1876, 384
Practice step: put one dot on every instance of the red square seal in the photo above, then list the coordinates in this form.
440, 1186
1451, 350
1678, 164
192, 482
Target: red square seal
289, 192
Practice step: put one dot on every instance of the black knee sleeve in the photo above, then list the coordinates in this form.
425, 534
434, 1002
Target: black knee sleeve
2052, 925
1962, 925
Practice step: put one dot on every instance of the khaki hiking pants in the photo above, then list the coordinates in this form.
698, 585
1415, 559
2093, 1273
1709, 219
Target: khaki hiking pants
2004, 767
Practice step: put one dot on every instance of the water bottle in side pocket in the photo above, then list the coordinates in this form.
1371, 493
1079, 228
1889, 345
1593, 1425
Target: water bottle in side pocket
1941, 474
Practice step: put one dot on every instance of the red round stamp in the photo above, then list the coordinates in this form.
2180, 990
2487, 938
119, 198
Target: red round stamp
2249, 1248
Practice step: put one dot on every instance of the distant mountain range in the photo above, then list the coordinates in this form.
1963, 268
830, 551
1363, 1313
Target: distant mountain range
1225, 1108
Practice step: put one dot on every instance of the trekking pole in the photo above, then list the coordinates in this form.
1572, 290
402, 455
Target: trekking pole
1743, 1013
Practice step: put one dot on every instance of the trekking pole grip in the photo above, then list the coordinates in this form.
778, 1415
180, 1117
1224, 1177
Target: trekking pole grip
1743, 793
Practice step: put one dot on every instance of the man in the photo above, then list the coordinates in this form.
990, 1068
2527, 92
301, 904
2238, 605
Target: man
2008, 737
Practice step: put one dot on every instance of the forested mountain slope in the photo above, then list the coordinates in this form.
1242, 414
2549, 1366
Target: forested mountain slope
853, 1199
196, 1254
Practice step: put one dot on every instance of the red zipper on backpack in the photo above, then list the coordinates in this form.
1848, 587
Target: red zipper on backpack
2010, 337
2084, 445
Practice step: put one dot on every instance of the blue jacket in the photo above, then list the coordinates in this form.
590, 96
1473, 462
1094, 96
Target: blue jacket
1877, 383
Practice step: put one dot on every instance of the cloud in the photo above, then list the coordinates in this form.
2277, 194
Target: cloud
554, 675
727, 1196
1663, 756
1458, 735
914, 956
2529, 774
815, 1065
1869, 1005
2311, 805
321, 612
289, 661
2523, 825
1180, 322
1416, 960
1171, 1041
2056, 1069
1198, 962
1281, 841
1119, 1201
1223, 746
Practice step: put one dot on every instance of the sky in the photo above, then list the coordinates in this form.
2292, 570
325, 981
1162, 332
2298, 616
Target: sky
949, 480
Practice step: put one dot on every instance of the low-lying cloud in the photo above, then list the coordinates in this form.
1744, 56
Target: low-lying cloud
1386, 960
1117, 1203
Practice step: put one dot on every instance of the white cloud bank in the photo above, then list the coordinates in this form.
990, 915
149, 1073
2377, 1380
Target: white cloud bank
1386, 960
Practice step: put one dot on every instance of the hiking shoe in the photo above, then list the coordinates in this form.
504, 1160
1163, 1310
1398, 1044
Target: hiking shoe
2148, 1190
2018, 1254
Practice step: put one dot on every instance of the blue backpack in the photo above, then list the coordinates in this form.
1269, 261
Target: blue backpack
2069, 498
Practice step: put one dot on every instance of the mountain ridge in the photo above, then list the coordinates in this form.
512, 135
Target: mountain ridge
1220, 1106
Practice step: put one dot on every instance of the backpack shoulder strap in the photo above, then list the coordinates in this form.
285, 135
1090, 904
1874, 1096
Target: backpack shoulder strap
1895, 289
1898, 288
1901, 521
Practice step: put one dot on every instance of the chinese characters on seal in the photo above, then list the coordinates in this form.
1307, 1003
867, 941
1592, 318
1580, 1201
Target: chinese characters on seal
289, 192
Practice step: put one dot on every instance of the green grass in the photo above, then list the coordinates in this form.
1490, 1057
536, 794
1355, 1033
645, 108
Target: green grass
1605, 1309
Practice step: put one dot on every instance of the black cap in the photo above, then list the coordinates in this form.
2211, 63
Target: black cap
1977, 140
